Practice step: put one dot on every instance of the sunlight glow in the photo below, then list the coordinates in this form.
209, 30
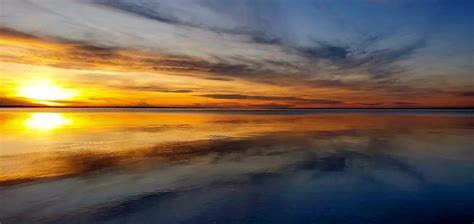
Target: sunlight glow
46, 121
44, 91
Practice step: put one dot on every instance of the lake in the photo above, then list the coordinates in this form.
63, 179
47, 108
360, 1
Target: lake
247, 166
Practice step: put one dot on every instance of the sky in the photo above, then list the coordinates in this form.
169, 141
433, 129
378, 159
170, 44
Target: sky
237, 53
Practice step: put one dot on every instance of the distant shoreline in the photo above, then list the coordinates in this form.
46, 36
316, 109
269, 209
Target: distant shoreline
272, 111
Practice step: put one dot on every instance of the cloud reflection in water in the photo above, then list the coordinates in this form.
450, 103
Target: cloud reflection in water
360, 167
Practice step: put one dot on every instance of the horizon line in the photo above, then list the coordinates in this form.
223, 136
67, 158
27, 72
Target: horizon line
242, 108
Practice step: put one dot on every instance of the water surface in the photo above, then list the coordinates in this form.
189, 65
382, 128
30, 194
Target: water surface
209, 166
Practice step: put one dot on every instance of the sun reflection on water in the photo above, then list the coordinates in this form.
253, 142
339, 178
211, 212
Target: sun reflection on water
46, 121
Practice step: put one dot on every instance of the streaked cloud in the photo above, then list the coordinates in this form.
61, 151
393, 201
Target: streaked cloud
295, 100
301, 50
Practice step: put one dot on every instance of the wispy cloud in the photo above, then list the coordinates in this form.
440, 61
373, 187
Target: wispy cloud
303, 45
296, 100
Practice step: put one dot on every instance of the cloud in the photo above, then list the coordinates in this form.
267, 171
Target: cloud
214, 16
263, 38
146, 9
331, 64
304, 46
219, 79
270, 98
152, 88
379, 63
84, 56
246, 97
78, 55
12, 102
467, 93
333, 53
269, 54
405, 103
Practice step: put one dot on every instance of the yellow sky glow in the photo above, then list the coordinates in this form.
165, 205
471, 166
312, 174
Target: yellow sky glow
40, 72
44, 91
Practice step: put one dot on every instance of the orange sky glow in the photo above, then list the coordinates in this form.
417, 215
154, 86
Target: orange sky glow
198, 67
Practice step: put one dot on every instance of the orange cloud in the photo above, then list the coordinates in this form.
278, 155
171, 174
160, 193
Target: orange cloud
142, 78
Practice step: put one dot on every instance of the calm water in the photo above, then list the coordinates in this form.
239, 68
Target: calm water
172, 166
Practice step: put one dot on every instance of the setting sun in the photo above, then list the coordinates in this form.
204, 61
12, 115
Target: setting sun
45, 91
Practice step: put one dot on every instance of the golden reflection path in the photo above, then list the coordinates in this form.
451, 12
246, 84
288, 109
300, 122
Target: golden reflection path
36, 145
46, 121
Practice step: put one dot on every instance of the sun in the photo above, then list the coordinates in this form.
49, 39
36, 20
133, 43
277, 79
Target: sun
45, 92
